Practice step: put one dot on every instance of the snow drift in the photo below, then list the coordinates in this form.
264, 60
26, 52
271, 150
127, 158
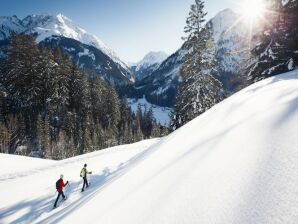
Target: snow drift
236, 163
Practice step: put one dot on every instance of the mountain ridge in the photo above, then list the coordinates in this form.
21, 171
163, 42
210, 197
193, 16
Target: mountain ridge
230, 38
148, 64
45, 26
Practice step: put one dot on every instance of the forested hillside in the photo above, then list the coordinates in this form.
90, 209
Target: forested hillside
52, 109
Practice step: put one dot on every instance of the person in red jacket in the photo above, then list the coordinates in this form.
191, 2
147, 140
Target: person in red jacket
60, 187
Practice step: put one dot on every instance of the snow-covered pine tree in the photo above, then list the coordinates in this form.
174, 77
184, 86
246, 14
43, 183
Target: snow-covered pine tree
199, 89
4, 138
124, 122
277, 51
47, 103
22, 77
70, 148
111, 115
75, 86
96, 97
137, 131
60, 78
148, 122
156, 130
43, 136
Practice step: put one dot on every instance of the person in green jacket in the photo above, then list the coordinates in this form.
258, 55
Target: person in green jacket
83, 174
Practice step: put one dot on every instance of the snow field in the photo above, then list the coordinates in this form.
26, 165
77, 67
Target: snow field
236, 163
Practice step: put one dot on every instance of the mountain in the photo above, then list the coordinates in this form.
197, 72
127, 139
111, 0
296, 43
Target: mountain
9, 24
160, 87
148, 64
58, 29
230, 48
236, 163
91, 59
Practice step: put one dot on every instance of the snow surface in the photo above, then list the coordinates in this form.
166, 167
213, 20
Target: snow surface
150, 59
236, 163
47, 25
87, 53
223, 22
284, 2
8, 24
11, 171
161, 114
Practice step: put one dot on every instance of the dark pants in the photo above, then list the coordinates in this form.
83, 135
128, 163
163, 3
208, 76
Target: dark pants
59, 193
85, 183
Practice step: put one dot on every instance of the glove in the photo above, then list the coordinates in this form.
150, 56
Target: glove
66, 183
90, 172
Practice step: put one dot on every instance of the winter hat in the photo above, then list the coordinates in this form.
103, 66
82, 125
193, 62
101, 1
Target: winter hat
85, 165
61, 176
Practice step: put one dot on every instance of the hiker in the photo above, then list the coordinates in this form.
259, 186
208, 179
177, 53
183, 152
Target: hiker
59, 186
83, 174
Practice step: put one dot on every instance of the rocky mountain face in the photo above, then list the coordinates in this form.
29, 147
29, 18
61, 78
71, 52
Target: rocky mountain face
157, 76
231, 47
148, 64
86, 49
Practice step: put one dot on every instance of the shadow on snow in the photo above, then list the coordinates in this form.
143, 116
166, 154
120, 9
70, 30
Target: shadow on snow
32, 210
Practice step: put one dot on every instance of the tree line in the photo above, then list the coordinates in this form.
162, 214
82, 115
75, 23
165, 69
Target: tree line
50, 108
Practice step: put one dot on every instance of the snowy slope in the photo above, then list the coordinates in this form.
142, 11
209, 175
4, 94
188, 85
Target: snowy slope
233, 39
58, 28
150, 59
9, 24
148, 64
46, 25
236, 163
160, 86
161, 114
10, 171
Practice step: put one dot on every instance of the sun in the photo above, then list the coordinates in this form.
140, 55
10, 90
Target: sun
252, 10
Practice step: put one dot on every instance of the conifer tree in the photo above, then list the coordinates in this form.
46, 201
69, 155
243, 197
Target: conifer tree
137, 131
199, 90
48, 104
277, 50
43, 135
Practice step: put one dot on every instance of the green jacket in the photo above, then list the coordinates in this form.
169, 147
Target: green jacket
84, 172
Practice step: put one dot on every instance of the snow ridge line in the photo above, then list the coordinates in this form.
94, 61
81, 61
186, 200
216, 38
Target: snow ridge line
37, 213
68, 161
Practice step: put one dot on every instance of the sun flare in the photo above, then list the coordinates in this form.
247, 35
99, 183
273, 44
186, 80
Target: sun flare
252, 10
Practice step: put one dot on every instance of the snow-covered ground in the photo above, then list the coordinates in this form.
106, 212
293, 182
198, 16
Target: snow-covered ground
161, 114
236, 163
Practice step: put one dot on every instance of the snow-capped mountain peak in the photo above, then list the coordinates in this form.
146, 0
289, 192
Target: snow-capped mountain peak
46, 25
8, 24
230, 48
153, 57
223, 22
148, 64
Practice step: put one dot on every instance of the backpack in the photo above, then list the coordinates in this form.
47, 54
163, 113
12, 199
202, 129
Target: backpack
83, 172
58, 184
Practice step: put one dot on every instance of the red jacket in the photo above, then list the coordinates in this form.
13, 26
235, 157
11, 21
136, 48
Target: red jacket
61, 185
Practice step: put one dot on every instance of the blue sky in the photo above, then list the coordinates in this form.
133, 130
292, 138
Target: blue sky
131, 28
